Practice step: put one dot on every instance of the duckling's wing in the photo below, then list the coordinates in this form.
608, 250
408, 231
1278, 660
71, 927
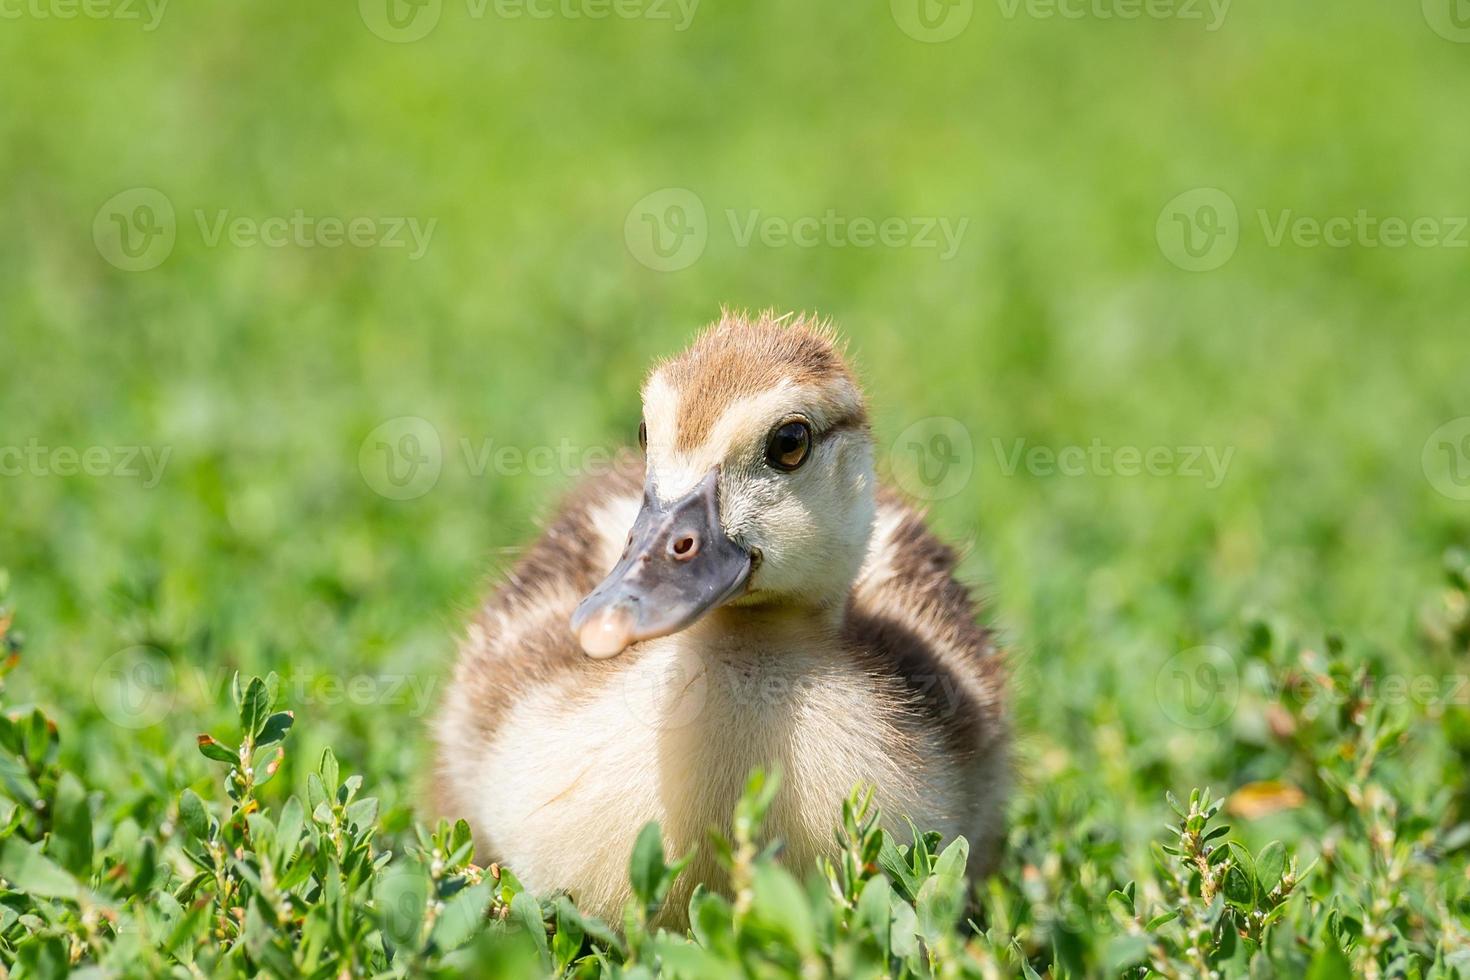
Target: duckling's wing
521, 638
910, 618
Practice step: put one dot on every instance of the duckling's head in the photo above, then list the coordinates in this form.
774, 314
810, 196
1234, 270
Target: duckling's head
760, 486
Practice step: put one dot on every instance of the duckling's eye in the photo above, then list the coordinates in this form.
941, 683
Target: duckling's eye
643, 436
789, 446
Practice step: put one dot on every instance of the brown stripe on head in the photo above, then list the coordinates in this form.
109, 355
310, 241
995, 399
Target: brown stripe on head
739, 357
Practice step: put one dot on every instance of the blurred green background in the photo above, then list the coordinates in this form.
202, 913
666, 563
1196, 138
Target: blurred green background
540, 148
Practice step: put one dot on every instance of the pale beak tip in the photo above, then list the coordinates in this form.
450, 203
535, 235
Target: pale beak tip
607, 634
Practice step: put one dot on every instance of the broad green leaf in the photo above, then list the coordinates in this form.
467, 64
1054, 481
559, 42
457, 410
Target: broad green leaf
781, 905
905, 931
255, 706
1124, 951
186, 928
526, 911
682, 959
402, 897
288, 832
194, 815
40, 739
591, 926
71, 827
217, 750
893, 863
262, 832
329, 773
15, 779
363, 812
711, 919
1270, 863
941, 899
1162, 919
316, 792
566, 943
462, 916
1329, 963
30, 871
875, 911
43, 956
646, 869
755, 802
1240, 878
510, 886
461, 844
275, 728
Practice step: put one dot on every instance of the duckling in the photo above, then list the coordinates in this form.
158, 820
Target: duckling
771, 606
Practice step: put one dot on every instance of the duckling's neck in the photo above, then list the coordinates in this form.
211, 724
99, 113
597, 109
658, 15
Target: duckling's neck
765, 626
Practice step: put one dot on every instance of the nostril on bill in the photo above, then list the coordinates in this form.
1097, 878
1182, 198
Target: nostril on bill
684, 547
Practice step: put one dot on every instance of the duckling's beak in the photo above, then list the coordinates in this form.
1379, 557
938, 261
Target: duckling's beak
679, 565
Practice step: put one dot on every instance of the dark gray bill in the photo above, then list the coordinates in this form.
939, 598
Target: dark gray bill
678, 566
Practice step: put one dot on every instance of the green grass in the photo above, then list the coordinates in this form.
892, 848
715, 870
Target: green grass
1326, 565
